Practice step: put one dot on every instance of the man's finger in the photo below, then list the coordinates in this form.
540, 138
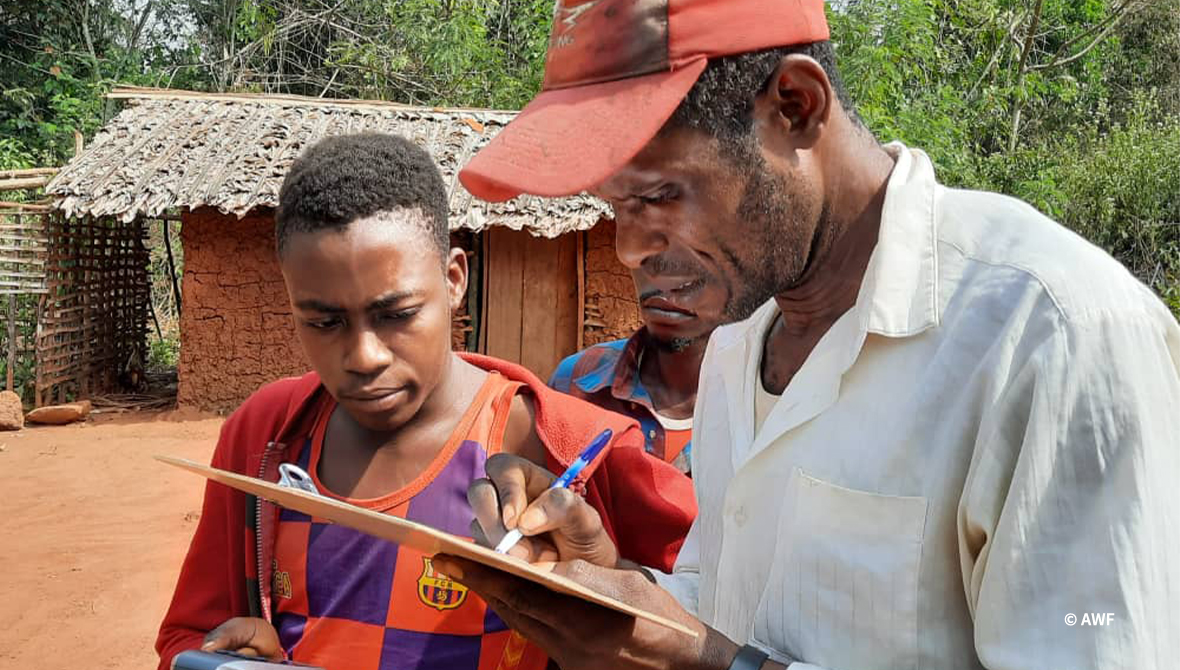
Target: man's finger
622, 585
533, 630
478, 535
517, 481
580, 533
528, 549
560, 509
485, 503
518, 595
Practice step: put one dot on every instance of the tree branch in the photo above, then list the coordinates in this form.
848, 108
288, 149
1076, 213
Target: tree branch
86, 33
1018, 107
995, 59
1111, 22
133, 41
1030, 38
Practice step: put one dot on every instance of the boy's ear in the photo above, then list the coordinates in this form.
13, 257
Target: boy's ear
456, 273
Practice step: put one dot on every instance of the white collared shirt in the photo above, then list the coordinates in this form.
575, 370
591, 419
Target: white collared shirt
987, 443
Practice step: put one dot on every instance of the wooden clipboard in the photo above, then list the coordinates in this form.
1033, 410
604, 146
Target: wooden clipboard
415, 535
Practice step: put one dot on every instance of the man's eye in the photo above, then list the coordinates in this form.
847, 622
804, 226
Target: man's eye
323, 324
660, 197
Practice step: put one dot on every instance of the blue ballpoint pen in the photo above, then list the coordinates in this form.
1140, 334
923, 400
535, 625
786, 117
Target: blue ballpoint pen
585, 458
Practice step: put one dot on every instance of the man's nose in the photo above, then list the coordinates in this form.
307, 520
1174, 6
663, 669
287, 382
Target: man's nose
367, 354
636, 241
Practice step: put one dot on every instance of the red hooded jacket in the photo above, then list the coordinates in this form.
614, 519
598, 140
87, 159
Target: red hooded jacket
646, 505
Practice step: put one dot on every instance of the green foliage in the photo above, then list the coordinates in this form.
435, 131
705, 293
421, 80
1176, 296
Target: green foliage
1091, 140
1072, 105
1121, 190
61, 56
484, 54
163, 354
431, 52
14, 154
24, 371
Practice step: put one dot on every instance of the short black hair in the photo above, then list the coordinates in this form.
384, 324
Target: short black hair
348, 177
721, 103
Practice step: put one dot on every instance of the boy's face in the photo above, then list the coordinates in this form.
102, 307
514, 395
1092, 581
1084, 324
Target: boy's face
372, 307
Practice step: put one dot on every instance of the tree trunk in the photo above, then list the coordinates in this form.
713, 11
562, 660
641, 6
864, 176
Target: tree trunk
1021, 71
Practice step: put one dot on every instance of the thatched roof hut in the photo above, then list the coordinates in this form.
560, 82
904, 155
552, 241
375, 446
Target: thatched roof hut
219, 160
180, 149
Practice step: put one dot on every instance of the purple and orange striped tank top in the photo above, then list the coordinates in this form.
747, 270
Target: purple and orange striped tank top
346, 601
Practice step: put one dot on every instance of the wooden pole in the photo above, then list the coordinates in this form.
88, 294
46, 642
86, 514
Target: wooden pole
152, 307
582, 288
23, 183
29, 172
484, 298
25, 206
38, 359
172, 268
11, 342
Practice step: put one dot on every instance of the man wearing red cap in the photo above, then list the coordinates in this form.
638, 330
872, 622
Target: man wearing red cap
941, 430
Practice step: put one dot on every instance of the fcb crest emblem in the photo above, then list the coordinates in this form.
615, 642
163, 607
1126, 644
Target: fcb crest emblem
437, 590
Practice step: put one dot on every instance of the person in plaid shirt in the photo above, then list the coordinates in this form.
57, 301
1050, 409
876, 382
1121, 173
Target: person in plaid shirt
652, 375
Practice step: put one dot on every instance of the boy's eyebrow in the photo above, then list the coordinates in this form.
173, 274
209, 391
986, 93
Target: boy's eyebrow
391, 299
384, 302
312, 305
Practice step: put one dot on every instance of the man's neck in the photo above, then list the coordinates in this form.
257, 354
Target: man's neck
670, 377
831, 283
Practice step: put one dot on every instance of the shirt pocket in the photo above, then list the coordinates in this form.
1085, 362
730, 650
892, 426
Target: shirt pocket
843, 589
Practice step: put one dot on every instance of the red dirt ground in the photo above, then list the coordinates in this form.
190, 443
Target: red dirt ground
92, 533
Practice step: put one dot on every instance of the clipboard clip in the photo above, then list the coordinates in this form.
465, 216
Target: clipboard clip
294, 477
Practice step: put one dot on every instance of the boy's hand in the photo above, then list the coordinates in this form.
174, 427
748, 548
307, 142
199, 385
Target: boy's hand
245, 635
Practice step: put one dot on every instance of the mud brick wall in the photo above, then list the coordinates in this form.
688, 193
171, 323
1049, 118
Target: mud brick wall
611, 310
236, 330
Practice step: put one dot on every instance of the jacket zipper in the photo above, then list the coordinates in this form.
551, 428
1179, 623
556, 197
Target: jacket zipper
263, 591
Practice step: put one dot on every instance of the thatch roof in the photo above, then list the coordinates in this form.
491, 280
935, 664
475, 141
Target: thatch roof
178, 149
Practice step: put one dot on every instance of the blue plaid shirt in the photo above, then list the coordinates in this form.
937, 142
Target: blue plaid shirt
607, 375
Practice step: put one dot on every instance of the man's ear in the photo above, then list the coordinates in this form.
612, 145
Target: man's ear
795, 107
456, 273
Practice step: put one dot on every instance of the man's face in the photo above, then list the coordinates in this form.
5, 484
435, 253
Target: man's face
711, 237
372, 306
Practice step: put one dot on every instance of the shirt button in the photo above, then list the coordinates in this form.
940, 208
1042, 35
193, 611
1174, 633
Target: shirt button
651, 434
739, 517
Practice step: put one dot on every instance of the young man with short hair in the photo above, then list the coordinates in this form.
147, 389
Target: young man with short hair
391, 420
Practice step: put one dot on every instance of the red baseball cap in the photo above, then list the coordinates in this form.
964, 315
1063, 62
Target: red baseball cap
615, 72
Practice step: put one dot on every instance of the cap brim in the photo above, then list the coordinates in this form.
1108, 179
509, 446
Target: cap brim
568, 140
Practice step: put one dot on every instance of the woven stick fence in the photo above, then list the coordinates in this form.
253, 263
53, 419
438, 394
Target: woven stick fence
23, 249
95, 313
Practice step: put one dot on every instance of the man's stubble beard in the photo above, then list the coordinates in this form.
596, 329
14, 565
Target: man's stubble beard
776, 256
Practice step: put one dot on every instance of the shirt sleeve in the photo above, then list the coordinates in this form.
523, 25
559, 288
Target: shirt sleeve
211, 587
1069, 523
563, 375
